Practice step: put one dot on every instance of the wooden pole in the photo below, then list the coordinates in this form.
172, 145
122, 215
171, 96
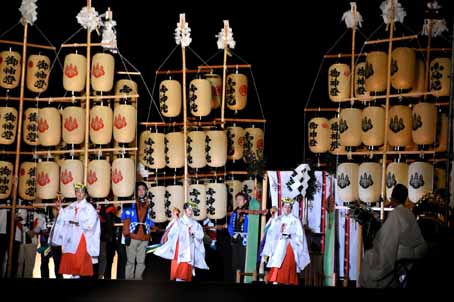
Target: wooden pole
18, 148
27, 44
429, 44
264, 199
185, 113
224, 71
388, 90
238, 66
87, 100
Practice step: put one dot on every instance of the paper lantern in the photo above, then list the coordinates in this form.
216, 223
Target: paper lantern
157, 204
400, 126
197, 193
49, 126
350, 127
74, 72
442, 130
73, 130
124, 123
174, 197
347, 182
174, 142
369, 180
196, 149
373, 126
170, 98
254, 143
216, 194
10, 68
234, 187
440, 76
376, 71
152, 149
102, 72
420, 180
216, 148
71, 172
419, 86
47, 180
236, 91
235, 142
440, 178
335, 146
30, 129
200, 97
6, 178
123, 177
424, 123
8, 125
98, 178
403, 68
125, 88
101, 124
396, 173
38, 70
360, 81
319, 135
339, 77
27, 180
216, 89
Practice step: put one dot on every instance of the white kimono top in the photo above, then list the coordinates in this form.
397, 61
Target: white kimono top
190, 246
68, 235
398, 238
286, 229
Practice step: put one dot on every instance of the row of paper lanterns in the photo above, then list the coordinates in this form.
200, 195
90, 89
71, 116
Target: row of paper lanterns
204, 147
45, 179
406, 126
47, 126
364, 181
407, 74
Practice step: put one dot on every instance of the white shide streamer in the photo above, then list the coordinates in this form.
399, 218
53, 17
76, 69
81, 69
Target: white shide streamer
183, 33
109, 35
399, 11
438, 25
89, 19
28, 11
352, 17
224, 39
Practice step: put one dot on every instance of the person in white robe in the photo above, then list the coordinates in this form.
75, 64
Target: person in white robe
183, 244
286, 247
77, 230
399, 238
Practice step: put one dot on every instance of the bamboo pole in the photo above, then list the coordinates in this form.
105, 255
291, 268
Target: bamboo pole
238, 120
129, 72
18, 149
88, 44
224, 72
87, 100
237, 66
439, 104
27, 44
178, 71
343, 55
73, 98
390, 40
388, 90
185, 113
430, 49
429, 44
383, 152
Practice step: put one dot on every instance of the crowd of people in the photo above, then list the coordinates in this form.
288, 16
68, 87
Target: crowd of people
82, 240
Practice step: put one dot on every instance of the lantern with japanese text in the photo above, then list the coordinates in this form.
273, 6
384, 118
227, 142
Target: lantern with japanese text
319, 135
197, 194
174, 144
6, 178
235, 140
440, 76
216, 89
8, 121
339, 77
27, 180
10, 67
216, 148
152, 149
30, 129
157, 195
170, 98
216, 198
403, 68
196, 149
200, 97
236, 91
38, 70
254, 142
174, 198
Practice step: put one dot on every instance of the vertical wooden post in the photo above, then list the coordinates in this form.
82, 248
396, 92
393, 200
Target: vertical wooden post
18, 149
264, 198
224, 71
87, 101
185, 113
427, 65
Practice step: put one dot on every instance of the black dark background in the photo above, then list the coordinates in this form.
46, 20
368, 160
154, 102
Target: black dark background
283, 40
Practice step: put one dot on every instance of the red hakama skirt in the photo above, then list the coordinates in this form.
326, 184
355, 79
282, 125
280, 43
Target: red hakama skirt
78, 264
182, 270
286, 274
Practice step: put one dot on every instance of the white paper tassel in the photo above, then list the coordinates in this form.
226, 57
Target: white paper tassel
438, 25
222, 39
399, 12
183, 33
89, 19
109, 35
352, 17
142, 170
28, 11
